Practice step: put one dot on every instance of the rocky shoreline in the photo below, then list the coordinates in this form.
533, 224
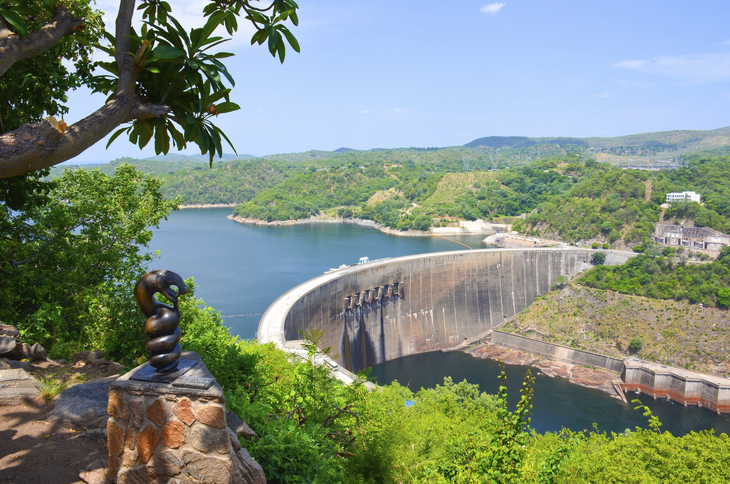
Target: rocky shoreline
587, 377
323, 220
209, 205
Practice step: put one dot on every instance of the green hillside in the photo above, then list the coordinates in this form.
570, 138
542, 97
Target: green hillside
196, 183
553, 182
227, 182
610, 204
300, 157
692, 140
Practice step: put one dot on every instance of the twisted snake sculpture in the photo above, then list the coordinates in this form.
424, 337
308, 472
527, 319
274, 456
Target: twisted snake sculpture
162, 319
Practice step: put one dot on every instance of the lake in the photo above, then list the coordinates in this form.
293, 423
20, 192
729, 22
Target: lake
241, 269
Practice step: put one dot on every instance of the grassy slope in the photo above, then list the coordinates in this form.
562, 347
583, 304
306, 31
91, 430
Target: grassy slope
674, 333
455, 185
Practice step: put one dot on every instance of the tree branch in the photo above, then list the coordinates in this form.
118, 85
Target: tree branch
123, 47
36, 146
14, 48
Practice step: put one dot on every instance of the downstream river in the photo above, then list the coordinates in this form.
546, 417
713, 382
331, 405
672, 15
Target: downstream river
241, 269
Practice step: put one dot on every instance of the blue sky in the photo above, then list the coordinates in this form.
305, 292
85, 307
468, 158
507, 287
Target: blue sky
379, 74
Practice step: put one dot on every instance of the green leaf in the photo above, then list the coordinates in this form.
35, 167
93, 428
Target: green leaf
164, 51
15, 21
180, 31
213, 132
274, 40
292, 40
258, 37
177, 137
145, 133
216, 96
227, 107
225, 72
202, 139
282, 51
211, 73
162, 139
116, 135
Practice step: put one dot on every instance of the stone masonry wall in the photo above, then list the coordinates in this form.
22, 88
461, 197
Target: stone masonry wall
160, 434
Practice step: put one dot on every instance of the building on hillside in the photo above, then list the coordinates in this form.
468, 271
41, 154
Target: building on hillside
692, 237
683, 197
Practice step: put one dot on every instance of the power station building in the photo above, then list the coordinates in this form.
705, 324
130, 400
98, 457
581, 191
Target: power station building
691, 237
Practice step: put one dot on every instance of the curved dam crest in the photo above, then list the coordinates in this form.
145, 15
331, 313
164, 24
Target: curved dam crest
391, 308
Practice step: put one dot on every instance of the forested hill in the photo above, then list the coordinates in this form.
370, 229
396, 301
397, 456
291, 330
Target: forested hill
563, 197
691, 140
551, 191
609, 204
196, 183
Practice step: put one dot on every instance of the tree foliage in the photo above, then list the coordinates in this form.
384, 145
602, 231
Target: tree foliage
599, 258
70, 258
167, 82
664, 278
450, 433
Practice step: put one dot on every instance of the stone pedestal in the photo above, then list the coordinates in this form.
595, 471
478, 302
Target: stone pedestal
160, 433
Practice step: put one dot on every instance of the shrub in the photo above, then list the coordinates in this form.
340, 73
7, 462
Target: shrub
635, 345
72, 254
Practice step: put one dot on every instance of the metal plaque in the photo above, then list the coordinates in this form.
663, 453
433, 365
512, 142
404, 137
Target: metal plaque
197, 382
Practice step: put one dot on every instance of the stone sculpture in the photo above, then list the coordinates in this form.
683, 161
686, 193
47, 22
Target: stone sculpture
162, 325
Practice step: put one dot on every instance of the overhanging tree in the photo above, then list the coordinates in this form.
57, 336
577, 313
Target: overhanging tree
70, 248
163, 80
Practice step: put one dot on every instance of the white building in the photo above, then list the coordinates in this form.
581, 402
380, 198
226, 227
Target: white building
683, 197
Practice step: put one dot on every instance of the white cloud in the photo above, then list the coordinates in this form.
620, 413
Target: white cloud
699, 68
603, 95
492, 8
364, 111
399, 110
727, 42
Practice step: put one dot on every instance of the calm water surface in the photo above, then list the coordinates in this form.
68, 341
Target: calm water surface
242, 269
557, 403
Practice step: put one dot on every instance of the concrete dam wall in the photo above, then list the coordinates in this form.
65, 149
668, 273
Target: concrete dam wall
557, 352
387, 309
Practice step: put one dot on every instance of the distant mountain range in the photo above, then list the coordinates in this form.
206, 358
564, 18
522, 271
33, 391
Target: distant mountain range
680, 139
692, 140
200, 158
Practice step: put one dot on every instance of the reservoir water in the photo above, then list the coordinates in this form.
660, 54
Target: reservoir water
242, 269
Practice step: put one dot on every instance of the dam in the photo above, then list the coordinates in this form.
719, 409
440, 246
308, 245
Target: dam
386, 309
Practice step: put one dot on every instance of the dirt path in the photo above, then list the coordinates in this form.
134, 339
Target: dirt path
33, 450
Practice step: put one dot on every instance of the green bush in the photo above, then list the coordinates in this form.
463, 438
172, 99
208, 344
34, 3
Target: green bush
71, 254
635, 345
